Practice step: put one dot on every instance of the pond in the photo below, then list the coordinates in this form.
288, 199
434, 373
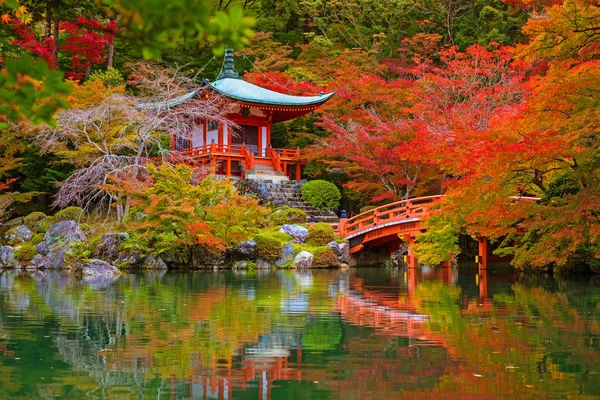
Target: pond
364, 333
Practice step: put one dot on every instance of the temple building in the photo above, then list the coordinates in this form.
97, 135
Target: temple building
245, 150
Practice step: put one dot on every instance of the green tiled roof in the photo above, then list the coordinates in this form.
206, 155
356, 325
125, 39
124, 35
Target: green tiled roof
240, 90
247, 92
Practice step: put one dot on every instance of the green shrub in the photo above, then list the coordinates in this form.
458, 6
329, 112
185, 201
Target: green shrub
78, 254
68, 213
268, 247
26, 252
321, 194
111, 77
37, 238
320, 234
288, 215
33, 220
324, 257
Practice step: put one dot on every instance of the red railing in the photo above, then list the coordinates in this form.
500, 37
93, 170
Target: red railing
275, 157
394, 212
248, 158
287, 153
213, 148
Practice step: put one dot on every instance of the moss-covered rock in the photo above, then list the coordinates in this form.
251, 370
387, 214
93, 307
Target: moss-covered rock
320, 234
45, 224
69, 213
324, 257
18, 234
268, 248
33, 220
26, 252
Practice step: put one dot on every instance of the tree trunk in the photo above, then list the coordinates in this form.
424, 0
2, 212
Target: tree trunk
111, 52
48, 27
55, 51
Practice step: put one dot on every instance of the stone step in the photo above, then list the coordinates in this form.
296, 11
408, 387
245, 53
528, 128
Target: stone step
267, 177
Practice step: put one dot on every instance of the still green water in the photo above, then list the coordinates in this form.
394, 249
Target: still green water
360, 334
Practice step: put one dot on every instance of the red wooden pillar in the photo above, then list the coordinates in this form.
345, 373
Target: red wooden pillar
228, 168
220, 135
261, 145
298, 172
482, 257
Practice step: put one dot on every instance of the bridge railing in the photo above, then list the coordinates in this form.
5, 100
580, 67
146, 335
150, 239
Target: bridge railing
393, 212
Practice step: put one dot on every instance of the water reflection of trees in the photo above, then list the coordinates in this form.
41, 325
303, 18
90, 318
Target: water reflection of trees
375, 336
142, 331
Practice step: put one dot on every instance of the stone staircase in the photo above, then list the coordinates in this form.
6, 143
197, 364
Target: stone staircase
265, 171
286, 193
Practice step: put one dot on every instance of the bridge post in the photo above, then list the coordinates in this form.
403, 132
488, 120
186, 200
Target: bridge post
483, 285
342, 224
411, 258
482, 258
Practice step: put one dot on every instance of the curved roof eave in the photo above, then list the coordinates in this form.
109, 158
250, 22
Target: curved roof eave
247, 92
168, 104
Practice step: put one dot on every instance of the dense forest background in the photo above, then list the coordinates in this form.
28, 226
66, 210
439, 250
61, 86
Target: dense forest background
482, 100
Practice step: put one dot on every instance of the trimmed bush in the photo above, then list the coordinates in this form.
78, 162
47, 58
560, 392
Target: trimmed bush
68, 213
26, 252
288, 215
324, 257
321, 194
268, 247
320, 234
34, 220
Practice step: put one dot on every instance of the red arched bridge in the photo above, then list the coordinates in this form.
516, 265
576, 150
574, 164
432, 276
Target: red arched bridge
389, 225
393, 224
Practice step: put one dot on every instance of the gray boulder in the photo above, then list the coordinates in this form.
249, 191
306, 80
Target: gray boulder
110, 247
244, 250
96, 268
335, 247
56, 259
203, 258
297, 232
56, 243
40, 261
151, 262
287, 254
19, 233
303, 260
341, 250
62, 234
7, 256
344, 257
262, 264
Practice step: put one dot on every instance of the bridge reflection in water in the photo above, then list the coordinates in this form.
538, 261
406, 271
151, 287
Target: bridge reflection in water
372, 333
